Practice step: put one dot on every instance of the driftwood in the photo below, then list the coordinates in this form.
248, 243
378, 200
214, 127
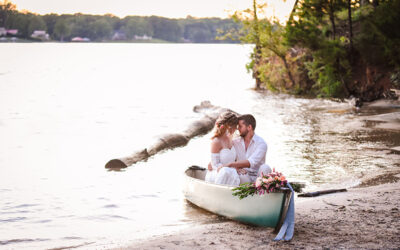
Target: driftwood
169, 141
322, 192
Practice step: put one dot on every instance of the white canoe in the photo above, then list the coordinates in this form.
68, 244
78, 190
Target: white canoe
263, 210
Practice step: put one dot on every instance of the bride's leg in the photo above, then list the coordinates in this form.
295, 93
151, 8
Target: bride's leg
265, 169
210, 176
227, 176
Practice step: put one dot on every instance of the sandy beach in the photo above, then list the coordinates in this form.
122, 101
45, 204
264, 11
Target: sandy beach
365, 217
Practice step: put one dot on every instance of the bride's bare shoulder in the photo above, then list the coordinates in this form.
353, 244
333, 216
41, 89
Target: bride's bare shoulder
216, 145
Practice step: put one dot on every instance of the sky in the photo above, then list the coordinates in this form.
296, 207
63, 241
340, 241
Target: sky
165, 8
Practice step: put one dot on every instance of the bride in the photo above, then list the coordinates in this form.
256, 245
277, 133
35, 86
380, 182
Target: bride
223, 152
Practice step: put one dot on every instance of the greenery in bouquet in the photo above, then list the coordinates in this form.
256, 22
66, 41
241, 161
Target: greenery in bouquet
263, 184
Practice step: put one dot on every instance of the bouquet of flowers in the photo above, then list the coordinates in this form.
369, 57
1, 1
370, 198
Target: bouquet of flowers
263, 184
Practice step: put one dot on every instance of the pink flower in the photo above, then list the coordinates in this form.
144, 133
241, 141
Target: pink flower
259, 182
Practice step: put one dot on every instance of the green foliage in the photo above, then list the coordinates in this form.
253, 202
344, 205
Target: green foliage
100, 29
379, 37
7, 9
61, 29
313, 28
36, 23
166, 29
268, 38
138, 26
328, 69
51, 20
244, 190
19, 21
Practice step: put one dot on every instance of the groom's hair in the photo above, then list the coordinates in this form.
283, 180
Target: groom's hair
248, 120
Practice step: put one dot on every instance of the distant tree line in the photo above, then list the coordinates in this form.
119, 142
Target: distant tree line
104, 27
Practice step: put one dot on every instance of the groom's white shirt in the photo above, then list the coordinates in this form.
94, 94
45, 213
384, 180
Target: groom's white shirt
255, 153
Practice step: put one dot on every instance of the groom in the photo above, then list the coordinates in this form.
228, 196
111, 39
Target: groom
251, 150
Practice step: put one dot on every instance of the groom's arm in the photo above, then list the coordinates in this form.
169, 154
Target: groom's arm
254, 160
239, 164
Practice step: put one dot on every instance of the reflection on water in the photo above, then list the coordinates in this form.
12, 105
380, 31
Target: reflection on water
66, 109
200, 215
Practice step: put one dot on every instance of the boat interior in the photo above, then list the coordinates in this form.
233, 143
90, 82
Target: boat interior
196, 172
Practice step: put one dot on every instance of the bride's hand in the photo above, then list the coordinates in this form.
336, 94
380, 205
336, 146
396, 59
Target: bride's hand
241, 171
209, 167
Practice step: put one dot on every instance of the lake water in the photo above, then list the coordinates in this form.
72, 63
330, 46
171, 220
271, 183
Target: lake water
66, 109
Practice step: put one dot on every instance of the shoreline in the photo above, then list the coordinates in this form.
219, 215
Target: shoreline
362, 217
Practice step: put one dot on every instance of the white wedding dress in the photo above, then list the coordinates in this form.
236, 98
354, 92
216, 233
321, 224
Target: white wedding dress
226, 175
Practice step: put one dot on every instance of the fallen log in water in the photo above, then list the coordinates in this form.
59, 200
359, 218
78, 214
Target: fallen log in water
169, 141
318, 193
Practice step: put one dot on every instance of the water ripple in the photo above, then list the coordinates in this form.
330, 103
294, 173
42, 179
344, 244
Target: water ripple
6, 242
110, 206
72, 238
105, 217
26, 205
14, 219
42, 221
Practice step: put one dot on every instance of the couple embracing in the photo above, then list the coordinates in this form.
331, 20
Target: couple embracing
236, 160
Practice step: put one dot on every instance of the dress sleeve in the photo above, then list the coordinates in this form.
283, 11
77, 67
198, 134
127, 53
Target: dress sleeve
215, 160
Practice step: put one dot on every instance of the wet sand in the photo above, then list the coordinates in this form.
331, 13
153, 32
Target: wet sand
363, 217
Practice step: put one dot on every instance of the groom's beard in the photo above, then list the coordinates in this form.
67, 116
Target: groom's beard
243, 135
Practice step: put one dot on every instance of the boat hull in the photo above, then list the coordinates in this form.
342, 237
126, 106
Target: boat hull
262, 210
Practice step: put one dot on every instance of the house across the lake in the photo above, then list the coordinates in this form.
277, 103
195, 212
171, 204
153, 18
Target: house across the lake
12, 32
3, 31
80, 39
119, 36
144, 37
40, 34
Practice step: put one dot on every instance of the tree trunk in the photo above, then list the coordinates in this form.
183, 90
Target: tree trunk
293, 10
350, 29
332, 18
288, 70
257, 52
375, 3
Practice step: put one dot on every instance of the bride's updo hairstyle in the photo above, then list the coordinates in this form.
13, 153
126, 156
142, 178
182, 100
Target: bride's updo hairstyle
225, 121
